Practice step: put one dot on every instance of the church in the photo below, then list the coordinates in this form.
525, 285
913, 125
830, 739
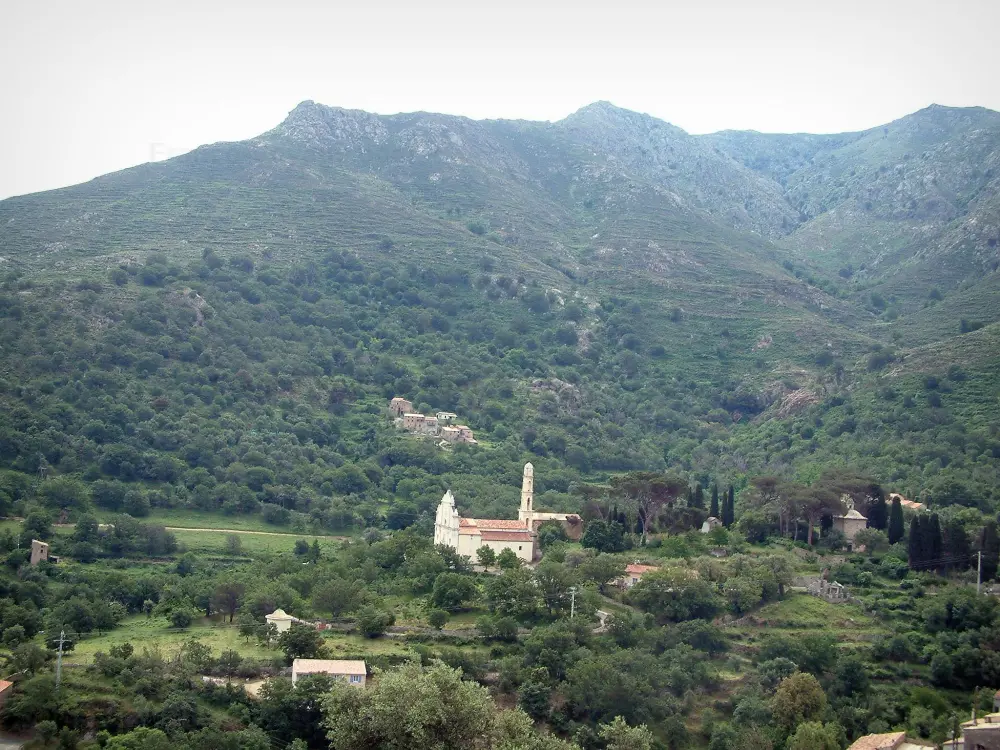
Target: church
467, 535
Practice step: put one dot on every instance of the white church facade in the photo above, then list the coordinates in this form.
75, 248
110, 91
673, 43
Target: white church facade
467, 535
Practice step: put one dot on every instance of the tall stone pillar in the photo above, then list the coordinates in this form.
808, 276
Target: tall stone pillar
527, 510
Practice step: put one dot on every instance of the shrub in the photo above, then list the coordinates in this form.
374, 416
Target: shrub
437, 618
181, 618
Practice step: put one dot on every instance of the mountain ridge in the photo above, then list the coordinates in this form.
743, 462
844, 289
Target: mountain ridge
640, 296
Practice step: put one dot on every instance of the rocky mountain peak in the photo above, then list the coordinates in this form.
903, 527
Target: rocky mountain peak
323, 127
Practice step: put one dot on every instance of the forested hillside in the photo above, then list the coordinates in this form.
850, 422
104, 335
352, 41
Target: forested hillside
601, 294
196, 363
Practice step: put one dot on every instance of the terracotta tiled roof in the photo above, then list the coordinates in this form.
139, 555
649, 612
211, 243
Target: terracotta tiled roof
506, 536
888, 741
5, 685
498, 523
636, 568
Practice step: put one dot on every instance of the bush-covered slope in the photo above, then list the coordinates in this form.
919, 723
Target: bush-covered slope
224, 329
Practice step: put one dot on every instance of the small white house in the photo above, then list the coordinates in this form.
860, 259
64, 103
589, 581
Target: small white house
353, 671
280, 619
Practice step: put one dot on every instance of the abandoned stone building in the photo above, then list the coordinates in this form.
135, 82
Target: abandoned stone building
439, 425
400, 406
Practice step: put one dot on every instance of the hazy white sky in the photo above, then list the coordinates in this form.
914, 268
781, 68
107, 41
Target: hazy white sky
91, 87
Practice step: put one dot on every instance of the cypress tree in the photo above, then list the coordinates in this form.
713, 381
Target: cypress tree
915, 543
989, 545
896, 529
699, 496
878, 514
957, 546
932, 546
729, 508
714, 509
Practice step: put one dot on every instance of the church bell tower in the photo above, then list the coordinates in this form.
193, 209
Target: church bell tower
526, 512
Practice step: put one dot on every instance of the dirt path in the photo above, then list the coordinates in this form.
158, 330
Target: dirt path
259, 533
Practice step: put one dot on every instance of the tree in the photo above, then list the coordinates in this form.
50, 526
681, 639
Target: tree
227, 597
486, 556
812, 735
549, 533
674, 595
957, 547
249, 626
535, 693
508, 559
698, 498
601, 569
142, 738
729, 509
437, 618
620, 736
452, 590
64, 492
798, 698
932, 543
229, 662
915, 544
234, 546
878, 514
28, 658
300, 642
338, 596
410, 707
513, 593
604, 536
713, 509
650, 492
554, 580
290, 712
181, 618
896, 528
373, 622
989, 545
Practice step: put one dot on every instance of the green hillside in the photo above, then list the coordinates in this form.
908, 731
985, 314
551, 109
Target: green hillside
196, 360
223, 330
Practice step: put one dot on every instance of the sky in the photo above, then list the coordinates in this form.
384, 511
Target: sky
93, 87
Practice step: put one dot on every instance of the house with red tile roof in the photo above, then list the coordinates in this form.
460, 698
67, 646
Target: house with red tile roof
6, 688
634, 574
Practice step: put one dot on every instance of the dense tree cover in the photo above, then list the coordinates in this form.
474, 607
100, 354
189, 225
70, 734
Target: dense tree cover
652, 662
241, 386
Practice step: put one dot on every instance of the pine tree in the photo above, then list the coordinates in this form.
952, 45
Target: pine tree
729, 508
932, 546
896, 529
878, 514
714, 509
989, 545
915, 544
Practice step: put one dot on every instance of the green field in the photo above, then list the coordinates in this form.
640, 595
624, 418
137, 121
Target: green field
216, 542
155, 634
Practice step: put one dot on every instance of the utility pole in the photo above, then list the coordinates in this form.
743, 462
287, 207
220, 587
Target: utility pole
572, 602
62, 639
979, 571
